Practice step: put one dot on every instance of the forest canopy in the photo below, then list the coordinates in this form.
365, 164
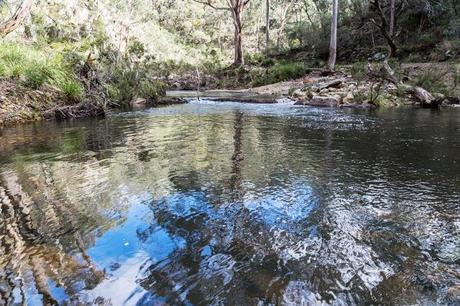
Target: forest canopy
209, 31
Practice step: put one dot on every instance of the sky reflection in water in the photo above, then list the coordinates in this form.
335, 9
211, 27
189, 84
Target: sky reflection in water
236, 204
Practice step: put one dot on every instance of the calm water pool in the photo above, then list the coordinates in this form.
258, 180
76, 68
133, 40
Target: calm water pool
233, 204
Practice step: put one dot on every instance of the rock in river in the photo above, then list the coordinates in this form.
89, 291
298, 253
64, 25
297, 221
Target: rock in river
324, 101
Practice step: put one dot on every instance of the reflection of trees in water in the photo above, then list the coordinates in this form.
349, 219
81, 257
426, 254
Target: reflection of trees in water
231, 253
238, 156
36, 237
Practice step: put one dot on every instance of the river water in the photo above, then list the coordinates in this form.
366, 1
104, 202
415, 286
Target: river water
233, 204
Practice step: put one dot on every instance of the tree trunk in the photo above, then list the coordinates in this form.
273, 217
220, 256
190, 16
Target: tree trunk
236, 7
238, 40
21, 13
333, 46
283, 20
267, 26
392, 17
384, 28
238, 60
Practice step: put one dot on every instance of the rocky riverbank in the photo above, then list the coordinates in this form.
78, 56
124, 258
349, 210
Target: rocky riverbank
375, 85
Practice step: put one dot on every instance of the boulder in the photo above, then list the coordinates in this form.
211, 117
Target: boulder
322, 101
452, 100
349, 98
324, 86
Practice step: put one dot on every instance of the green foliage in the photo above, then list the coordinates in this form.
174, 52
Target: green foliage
35, 76
151, 89
358, 71
124, 81
259, 59
431, 80
280, 72
136, 48
72, 89
36, 68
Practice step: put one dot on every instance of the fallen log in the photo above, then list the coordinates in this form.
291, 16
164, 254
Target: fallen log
425, 98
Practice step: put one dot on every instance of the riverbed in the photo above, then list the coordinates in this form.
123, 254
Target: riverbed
213, 203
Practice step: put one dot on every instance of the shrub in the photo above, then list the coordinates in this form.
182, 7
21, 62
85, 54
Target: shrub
279, 73
35, 76
358, 71
151, 89
431, 80
72, 89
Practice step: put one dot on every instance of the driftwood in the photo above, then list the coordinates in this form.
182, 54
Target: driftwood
330, 84
21, 13
82, 110
425, 98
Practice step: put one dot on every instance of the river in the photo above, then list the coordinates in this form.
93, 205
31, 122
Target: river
233, 204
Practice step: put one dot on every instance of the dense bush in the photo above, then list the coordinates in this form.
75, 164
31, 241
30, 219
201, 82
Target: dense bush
279, 72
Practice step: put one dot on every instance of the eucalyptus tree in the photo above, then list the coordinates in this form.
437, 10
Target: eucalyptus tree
333, 45
392, 17
236, 8
267, 25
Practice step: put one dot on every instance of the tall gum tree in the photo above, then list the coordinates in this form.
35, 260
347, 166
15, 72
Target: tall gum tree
236, 8
333, 44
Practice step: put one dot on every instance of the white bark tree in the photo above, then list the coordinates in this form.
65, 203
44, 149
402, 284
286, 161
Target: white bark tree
333, 45
267, 25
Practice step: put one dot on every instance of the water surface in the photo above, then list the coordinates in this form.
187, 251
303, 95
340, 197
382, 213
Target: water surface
233, 204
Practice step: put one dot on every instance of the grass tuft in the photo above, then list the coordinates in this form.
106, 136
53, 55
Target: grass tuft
35, 68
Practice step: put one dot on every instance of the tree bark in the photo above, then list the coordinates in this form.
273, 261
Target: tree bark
283, 20
392, 17
267, 25
333, 45
21, 13
238, 40
236, 7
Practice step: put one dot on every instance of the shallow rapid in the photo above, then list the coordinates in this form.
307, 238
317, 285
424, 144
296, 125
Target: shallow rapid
233, 204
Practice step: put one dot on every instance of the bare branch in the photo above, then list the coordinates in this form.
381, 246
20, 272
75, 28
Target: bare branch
21, 13
210, 4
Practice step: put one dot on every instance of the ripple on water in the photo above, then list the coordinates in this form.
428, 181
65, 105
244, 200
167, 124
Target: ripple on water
226, 203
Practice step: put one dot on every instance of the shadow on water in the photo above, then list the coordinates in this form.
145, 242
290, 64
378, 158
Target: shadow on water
233, 204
